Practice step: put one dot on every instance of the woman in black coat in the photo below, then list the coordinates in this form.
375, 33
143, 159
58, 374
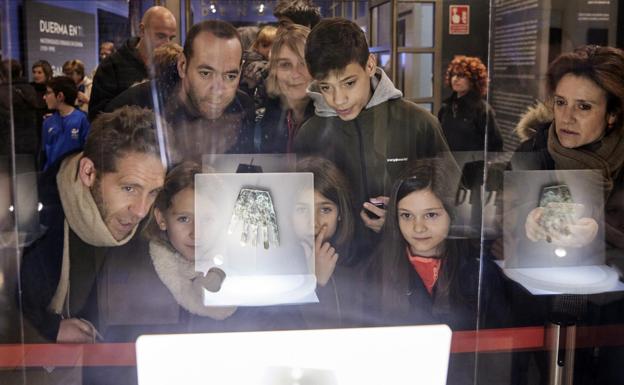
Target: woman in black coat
580, 128
465, 117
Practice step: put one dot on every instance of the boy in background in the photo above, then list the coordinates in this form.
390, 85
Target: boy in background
66, 129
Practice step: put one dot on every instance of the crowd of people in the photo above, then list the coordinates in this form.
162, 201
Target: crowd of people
119, 156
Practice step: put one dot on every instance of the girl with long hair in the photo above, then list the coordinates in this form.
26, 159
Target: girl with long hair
424, 274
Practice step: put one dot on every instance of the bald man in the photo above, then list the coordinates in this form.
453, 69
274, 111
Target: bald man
130, 64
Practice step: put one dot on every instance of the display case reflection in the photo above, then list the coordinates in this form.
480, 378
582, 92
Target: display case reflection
559, 219
247, 225
554, 232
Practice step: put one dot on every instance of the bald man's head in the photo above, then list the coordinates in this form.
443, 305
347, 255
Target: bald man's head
157, 27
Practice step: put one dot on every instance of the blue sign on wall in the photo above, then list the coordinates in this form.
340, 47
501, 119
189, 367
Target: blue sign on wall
59, 34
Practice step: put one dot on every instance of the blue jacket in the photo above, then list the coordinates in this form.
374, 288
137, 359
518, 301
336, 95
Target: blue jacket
63, 134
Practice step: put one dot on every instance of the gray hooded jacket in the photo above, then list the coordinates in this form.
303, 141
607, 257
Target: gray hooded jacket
375, 147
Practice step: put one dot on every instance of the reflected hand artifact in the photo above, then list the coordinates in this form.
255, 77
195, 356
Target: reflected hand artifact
560, 211
254, 209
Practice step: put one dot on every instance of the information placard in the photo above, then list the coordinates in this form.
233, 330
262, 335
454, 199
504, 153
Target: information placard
459, 19
59, 34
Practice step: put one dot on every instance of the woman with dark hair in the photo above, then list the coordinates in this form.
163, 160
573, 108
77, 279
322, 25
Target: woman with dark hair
465, 117
424, 275
287, 83
41, 73
582, 127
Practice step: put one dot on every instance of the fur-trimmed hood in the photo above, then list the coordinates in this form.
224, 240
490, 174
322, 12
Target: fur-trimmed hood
535, 116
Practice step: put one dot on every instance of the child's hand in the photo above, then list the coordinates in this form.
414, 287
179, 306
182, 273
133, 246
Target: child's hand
212, 280
82, 98
375, 224
75, 331
325, 258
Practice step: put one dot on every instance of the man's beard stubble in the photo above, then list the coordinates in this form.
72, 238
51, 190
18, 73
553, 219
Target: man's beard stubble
96, 193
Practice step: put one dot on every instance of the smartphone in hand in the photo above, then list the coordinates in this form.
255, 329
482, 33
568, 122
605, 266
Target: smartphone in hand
371, 214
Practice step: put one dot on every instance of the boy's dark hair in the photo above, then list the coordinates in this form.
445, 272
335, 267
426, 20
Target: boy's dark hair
302, 12
219, 28
334, 44
65, 85
115, 134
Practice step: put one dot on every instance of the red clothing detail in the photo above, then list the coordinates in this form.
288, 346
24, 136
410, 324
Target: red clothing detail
427, 269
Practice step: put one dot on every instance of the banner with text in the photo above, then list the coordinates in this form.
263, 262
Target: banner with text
59, 34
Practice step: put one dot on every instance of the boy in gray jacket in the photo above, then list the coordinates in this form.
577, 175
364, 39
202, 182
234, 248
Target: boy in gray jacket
362, 123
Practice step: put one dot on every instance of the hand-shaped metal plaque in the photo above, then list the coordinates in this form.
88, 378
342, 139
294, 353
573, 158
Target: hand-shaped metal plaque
254, 209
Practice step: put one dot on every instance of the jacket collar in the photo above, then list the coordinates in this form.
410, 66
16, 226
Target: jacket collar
383, 90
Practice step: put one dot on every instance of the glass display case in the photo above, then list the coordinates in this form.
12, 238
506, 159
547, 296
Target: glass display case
457, 163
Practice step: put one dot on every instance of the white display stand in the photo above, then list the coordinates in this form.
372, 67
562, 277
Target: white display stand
367, 356
566, 280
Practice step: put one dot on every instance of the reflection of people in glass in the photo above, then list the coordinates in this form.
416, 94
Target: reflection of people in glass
614, 217
425, 276
585, 131
255, 62
172, 245
465, 117
41, 74
302, 12
287, 82
559, 223
6, 217
333, 215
